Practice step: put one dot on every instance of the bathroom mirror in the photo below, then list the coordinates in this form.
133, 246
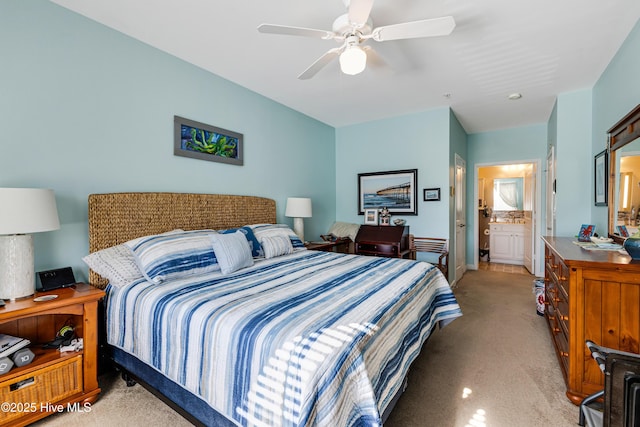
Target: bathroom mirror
624, 173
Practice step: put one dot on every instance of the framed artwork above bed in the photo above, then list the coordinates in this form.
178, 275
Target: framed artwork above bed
205, 142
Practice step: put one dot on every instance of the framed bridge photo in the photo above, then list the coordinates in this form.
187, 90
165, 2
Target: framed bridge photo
395, 190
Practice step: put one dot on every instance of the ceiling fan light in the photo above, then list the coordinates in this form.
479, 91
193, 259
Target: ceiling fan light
353, 60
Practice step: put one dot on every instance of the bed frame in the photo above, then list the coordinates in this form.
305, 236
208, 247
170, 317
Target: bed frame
116, 218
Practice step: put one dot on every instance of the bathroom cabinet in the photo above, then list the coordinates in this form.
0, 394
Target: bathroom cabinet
507, 242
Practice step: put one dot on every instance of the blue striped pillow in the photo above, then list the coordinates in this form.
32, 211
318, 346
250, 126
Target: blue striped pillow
276, 246
269, 230
166, 256
232, 251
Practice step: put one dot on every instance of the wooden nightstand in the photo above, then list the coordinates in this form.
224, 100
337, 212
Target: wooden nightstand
54, 381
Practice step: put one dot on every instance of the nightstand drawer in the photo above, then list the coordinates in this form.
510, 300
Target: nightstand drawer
32, 391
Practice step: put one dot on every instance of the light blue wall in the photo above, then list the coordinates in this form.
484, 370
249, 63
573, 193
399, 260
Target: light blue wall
85, 109
515, 145
574, 163
615, 94
416, 141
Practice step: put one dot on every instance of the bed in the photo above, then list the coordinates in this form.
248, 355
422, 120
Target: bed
291, 337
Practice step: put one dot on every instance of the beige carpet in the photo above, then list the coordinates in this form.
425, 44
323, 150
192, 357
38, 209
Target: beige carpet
493, 367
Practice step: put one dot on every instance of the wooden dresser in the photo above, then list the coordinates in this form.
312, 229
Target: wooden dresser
383, 240
589, 295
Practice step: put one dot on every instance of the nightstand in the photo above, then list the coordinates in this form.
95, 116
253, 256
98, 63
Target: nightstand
54, 381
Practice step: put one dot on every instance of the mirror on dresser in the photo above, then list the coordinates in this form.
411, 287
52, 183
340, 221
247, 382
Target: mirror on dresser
624, 173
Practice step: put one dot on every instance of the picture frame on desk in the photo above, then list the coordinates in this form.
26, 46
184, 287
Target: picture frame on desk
371, 217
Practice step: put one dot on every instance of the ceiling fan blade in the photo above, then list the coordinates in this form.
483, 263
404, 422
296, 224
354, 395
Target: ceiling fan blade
359, 11
410, 30
320, 63
295, 31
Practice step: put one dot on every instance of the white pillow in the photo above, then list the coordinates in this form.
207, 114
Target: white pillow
116, 264
232, 251
276, 246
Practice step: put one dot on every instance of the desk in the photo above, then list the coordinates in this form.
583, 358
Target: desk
386, 241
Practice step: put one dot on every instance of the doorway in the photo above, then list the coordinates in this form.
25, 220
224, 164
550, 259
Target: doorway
515, 224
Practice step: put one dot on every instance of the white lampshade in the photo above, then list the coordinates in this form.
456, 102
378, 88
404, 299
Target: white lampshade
353, 60
22, 211
298, 208
27, 210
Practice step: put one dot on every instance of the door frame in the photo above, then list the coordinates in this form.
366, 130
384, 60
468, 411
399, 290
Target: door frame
536, 215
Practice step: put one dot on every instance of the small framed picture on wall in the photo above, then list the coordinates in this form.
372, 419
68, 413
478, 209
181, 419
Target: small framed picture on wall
431, 194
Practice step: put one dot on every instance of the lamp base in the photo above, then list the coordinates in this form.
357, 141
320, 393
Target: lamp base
17, 277
298, 227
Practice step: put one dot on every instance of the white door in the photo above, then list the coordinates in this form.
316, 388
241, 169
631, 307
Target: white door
461, 219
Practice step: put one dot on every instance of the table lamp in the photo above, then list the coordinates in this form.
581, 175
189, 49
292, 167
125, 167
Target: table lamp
298, 208
22, 211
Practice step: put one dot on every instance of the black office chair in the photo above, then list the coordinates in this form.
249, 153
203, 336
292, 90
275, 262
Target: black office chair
618, 404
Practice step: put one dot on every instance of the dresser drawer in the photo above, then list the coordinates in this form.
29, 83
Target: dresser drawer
48, 385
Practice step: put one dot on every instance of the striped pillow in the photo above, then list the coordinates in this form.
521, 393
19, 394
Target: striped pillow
276, 246
166, 256
269, 230
232, 251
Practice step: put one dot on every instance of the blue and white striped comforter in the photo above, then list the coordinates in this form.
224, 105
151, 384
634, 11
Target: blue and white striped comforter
311, 338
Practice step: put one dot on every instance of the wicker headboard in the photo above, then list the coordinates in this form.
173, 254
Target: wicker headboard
115, 218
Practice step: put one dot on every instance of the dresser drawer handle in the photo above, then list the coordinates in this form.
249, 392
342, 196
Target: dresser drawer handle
564, 354
565, 318
556, 330
556, 299
562, 279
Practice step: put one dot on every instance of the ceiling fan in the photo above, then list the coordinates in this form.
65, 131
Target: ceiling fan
353, 29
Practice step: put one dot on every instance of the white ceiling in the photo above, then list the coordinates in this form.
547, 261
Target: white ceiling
539, 48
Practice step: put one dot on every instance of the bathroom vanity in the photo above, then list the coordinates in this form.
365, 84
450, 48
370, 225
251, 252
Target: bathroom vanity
507, 242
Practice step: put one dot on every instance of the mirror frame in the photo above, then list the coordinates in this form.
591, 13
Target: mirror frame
620, 134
